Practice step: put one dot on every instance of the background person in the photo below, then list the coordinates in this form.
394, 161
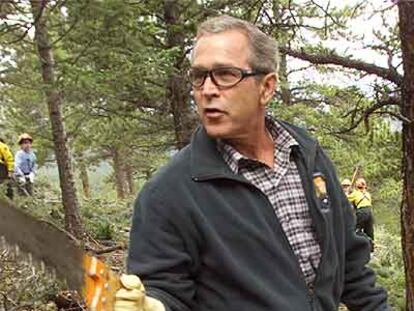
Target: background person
346, 186
361, 200
6, 167
25, 164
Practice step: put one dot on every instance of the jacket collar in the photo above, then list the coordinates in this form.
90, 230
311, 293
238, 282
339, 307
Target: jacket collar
307, 144
206, 162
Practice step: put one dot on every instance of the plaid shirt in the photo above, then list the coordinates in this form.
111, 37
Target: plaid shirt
283, 188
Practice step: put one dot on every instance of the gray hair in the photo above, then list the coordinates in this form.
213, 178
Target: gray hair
264, 55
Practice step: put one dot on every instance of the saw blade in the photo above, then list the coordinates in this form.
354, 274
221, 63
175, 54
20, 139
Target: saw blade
44, 242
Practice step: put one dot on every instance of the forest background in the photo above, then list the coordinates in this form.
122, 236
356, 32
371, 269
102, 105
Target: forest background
101, 86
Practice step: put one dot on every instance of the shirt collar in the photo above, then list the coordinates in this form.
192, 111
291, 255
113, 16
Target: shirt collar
283, 144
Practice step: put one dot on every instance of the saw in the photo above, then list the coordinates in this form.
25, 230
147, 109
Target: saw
91, 277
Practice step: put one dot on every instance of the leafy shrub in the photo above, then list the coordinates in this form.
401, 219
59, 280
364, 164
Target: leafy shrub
105, 219
388, 263
103, 230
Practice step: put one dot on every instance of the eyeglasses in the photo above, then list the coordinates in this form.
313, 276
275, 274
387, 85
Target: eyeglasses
224, 77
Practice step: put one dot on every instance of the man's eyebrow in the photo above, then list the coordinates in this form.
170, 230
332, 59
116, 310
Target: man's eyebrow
215, 65
199, 68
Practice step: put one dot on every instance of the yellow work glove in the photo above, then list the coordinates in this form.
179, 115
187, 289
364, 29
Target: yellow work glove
131, 296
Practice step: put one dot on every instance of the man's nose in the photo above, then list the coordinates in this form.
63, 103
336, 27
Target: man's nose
209, 88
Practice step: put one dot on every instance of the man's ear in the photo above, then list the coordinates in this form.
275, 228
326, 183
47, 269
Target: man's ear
268, 88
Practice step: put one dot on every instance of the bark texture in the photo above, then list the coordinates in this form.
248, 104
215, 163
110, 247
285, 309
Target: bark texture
73, 222
178, 92
406, 17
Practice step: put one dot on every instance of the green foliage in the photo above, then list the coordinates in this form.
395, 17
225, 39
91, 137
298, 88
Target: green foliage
387, 203
376, 148
106, 219
103, 230
387, 263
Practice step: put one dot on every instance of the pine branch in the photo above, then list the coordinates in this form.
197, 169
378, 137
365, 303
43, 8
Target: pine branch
332, 59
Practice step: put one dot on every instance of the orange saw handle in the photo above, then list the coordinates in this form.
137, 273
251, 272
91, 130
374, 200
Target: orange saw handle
101, 284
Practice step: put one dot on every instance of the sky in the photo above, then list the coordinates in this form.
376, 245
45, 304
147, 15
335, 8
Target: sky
362, 26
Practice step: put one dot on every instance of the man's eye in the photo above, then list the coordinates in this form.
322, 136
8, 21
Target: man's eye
226, 73
198, 74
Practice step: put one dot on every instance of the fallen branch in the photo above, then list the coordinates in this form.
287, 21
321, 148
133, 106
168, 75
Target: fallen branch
107, 250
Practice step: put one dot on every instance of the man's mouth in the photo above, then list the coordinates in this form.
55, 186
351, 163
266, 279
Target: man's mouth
213, 112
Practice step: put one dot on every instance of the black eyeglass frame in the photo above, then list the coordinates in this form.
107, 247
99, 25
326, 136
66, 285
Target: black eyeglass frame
243, 75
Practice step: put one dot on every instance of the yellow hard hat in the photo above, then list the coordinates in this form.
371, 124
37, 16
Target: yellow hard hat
360, 183
24, 136
346, 182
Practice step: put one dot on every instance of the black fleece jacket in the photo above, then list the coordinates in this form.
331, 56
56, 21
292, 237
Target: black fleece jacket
204, 238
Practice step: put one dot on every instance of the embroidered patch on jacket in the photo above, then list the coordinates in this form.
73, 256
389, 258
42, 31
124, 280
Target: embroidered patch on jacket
320, 187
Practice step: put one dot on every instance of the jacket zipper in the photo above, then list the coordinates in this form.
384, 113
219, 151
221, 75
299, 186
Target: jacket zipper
309, 188
309, 289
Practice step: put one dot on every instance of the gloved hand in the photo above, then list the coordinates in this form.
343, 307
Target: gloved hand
21, 179
131, 296
31, 177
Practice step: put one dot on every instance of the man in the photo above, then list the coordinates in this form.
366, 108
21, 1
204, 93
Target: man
25, 164
346, 186
236, 220
6, 167
361, 200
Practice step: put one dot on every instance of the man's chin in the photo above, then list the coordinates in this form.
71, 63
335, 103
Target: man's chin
216, 132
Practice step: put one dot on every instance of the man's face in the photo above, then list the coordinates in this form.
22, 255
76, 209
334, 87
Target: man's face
227, 113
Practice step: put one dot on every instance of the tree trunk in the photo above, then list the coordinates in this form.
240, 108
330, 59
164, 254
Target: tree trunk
73, 222
406, 17
178, 93
84, 176
119, 173
129, 178
284, 82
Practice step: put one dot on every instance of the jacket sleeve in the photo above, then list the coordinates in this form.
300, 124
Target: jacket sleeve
359, 290
352, 198
7, 157
158, 253
34, 165
17, 164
